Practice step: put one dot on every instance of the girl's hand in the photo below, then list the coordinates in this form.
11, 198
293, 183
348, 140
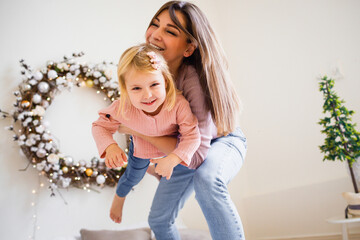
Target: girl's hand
115, 156
166, 165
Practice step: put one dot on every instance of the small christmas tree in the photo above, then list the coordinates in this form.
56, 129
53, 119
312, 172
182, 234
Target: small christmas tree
342, 141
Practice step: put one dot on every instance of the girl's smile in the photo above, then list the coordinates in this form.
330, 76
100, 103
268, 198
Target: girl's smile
149, 103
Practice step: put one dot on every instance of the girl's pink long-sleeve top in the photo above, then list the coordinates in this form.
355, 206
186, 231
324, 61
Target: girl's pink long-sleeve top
179, 121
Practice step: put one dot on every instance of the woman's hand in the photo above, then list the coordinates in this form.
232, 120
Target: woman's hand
166, 165
115, 156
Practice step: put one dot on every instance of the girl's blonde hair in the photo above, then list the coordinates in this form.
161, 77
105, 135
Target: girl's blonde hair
210, 63
136, 58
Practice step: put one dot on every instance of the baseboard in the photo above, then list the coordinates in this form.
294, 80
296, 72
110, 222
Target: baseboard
353, 236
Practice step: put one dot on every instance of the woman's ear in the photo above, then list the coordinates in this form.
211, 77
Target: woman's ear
189, 50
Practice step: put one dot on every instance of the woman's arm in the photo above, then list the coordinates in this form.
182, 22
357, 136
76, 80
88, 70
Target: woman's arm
165, 144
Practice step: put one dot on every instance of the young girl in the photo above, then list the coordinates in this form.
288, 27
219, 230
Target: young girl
182, 33
151, 105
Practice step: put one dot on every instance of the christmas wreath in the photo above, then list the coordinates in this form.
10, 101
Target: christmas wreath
34, 96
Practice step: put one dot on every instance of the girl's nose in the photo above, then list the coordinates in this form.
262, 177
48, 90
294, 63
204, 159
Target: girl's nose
147, 93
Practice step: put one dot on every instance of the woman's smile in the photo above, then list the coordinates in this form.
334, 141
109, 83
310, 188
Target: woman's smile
156, 47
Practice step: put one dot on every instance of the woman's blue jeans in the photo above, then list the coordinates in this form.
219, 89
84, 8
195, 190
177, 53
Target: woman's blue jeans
209, 181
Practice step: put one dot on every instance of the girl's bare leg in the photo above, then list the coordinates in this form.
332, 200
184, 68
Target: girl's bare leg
117, 208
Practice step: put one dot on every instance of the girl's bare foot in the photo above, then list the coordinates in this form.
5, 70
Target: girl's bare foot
151, 171
116, 208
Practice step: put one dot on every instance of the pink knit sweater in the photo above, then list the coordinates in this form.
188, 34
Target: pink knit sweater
179, 121
188, 82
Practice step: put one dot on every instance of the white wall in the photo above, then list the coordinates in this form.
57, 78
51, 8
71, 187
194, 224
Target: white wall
277, 49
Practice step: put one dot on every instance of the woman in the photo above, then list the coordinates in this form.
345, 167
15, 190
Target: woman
182, 33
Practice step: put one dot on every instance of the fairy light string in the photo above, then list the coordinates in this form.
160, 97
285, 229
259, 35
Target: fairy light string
34, 204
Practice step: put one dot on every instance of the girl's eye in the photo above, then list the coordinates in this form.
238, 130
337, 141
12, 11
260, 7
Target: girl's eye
154, 84
135, 88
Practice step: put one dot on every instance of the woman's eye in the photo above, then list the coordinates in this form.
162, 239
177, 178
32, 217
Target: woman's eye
154, 24
172, 33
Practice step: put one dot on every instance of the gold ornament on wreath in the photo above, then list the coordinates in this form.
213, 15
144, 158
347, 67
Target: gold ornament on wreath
34, 96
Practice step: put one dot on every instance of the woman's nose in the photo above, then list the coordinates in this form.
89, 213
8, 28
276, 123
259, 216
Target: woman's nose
156, 34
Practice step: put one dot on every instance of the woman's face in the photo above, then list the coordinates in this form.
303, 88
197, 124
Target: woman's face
164, 35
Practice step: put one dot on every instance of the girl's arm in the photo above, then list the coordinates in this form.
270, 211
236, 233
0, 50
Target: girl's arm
189, 134
104, 128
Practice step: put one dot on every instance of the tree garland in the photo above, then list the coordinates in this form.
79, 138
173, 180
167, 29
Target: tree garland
34, 96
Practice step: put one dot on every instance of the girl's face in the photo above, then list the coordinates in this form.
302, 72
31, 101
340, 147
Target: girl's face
146, 91
164, 35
